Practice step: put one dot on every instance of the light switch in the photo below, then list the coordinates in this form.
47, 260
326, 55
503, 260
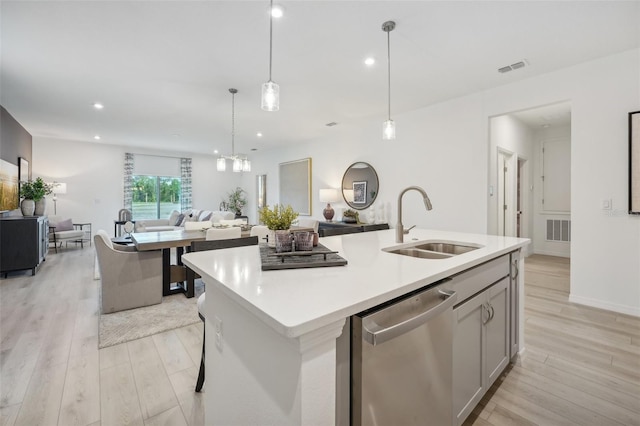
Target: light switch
607, 204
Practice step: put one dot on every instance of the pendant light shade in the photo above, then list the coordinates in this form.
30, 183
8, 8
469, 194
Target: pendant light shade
221, 164
270, 96
240, 162
389, 130
389, 127
270, 89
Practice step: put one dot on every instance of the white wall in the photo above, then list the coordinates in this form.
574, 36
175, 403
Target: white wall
510, 134
541, 245
444, 148
94, 176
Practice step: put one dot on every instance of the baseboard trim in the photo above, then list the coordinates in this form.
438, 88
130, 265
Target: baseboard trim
552, 253
622, 309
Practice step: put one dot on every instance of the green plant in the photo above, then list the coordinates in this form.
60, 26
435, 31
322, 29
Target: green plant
35, 189
237, 200
351, 213
278, 218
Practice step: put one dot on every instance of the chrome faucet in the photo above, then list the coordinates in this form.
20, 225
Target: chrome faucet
400, 231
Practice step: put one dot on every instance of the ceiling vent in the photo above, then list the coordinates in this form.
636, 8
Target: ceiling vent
516, 66
333, 123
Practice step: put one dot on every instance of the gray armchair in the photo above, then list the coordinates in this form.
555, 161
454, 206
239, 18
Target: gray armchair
130, 279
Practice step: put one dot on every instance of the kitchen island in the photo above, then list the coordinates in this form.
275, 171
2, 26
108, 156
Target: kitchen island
271, 335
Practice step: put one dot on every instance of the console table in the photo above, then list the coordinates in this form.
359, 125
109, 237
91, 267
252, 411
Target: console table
326, 229
24, 242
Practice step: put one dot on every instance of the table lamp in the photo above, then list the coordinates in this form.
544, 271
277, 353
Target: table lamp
329, 196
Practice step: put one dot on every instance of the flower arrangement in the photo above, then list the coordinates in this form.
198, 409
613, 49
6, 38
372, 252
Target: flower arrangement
279, 218
35, 189
237, 199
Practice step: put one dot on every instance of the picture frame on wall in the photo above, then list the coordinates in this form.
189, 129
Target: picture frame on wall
360, 192
634, 162
23, 166
9, 195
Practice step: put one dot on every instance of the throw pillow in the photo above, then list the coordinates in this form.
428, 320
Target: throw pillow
178, 221
64, 225
173, 217
205, 215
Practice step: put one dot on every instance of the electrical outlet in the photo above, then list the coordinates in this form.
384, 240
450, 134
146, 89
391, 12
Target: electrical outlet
217, 324
607, 204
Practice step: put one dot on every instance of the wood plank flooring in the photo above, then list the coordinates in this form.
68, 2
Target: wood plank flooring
52, 373
581, 366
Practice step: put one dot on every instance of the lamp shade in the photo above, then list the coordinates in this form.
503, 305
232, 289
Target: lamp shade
348, 195
329, 195
59, 188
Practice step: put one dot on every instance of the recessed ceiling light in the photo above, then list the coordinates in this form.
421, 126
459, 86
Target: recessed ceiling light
333, 123
369, 61
277, 11
259, 134
254, 149
97, 137
98, 105
215, 151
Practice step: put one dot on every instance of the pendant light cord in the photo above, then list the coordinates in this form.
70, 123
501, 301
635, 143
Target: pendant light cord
270, 37
389, 70
233, 124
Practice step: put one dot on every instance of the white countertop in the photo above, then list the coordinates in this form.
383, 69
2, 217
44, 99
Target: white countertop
296, 301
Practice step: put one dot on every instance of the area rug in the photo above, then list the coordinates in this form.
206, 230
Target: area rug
174, 312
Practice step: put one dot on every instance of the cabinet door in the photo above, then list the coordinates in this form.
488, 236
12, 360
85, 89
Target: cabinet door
497, 330
468, 344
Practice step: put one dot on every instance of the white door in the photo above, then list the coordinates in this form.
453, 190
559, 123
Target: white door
507, 208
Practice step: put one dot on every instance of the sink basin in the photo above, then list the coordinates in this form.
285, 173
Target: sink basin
432, 249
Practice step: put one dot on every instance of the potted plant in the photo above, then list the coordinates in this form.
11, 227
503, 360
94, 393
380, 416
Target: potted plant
236, 200
33, 193
350, 216
279, 218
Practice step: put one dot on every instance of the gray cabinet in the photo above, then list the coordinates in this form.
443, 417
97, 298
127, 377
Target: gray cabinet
481, 336
24, 242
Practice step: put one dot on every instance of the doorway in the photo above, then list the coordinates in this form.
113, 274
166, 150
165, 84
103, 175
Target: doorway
529, 164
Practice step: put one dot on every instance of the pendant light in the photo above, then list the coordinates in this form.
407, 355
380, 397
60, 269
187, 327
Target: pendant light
389, 126
240, 163
270, 89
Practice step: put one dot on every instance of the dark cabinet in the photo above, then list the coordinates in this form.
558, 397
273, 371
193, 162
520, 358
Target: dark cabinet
24, 242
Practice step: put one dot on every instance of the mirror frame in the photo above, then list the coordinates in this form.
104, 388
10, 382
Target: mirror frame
369, 202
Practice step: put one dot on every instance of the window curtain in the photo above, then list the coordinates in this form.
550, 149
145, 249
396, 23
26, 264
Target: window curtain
128, 181
185, 175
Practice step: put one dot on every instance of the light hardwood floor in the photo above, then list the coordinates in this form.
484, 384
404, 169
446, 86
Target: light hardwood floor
581, 366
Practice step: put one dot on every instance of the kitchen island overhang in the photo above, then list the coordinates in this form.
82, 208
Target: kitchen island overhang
273, 358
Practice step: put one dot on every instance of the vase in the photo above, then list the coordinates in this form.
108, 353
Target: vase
27, 207
41, 205
283, 241
271, 238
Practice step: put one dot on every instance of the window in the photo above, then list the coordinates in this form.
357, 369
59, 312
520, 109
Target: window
154, 197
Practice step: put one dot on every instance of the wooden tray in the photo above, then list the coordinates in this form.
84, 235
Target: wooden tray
318, 257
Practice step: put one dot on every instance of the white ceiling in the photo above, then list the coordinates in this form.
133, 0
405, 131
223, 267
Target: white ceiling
163, 68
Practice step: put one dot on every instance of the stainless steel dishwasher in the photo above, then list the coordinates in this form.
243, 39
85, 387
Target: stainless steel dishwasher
401, 361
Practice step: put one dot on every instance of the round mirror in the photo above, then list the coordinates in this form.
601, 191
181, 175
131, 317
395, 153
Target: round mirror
128, 227
360, 185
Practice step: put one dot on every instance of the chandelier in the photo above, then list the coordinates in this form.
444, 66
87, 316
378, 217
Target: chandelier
240, 162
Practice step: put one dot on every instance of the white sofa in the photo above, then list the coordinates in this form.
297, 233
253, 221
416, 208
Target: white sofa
176, 223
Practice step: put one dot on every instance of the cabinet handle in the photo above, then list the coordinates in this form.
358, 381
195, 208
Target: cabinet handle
515, 265
492, 312
485, 308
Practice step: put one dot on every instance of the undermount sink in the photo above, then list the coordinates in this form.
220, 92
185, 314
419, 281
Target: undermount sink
432, 249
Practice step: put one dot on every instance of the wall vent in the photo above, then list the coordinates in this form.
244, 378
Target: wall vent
558, 230
516, 66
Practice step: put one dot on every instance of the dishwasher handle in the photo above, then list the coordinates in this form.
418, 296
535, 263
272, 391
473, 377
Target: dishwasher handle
373, 334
